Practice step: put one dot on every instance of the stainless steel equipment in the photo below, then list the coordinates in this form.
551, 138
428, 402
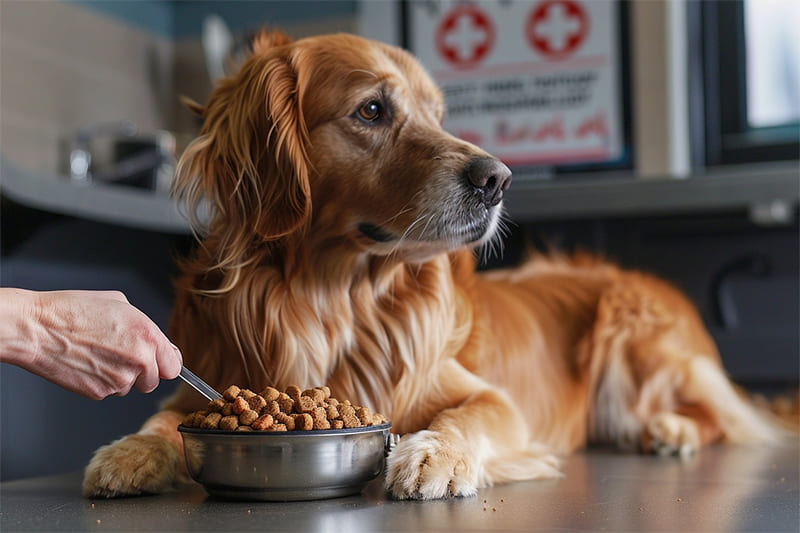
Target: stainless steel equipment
294, 465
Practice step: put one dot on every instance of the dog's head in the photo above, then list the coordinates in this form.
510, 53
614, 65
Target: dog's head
351, 127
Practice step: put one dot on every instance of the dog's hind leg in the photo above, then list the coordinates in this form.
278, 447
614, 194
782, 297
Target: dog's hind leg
709, 408
659, 381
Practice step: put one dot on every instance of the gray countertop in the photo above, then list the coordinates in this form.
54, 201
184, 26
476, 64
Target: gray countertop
721, 489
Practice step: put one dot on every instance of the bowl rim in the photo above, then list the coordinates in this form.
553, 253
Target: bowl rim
284, 434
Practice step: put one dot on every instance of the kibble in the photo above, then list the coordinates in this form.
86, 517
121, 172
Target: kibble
272, 410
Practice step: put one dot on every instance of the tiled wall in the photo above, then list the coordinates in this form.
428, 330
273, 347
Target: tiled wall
66, 64
63, 66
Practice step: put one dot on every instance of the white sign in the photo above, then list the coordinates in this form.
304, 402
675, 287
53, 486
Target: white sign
532, 82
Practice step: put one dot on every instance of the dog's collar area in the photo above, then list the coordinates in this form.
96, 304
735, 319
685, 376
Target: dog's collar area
376, 233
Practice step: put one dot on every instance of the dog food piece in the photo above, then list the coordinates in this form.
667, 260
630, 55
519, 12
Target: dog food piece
286, 420
262, 423
320, 418
240, 405
231, 393
273, 410
332, 412
229, 423
304, 404
294, 392
303, 422
285, 402
257, 403
193, 420
349, 416
248, 417
211, 421
271, 394
216, 405
317, 395
364, 415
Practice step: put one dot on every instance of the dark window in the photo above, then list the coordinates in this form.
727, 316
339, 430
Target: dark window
749, 95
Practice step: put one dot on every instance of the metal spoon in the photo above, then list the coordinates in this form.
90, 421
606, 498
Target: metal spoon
198, 384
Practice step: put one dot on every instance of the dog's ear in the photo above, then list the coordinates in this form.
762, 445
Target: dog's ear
264, 40
249, 163
195, 108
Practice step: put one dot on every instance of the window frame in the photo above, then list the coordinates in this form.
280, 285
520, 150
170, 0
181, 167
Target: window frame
719, 128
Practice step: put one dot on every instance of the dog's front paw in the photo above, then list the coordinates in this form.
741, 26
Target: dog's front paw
136, 464
671, 434
426, 466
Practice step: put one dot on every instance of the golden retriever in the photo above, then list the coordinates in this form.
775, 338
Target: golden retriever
339, 224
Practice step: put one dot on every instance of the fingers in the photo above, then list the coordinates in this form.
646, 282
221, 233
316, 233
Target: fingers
147, 380
163, 360
166, 364
169, 360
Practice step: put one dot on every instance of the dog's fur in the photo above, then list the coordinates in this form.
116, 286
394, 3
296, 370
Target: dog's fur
338, 249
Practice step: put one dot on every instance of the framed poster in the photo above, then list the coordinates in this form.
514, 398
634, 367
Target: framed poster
537, 83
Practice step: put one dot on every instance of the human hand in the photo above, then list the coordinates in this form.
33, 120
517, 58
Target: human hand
94, 343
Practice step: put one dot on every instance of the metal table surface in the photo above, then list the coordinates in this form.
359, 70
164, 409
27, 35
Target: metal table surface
721, 489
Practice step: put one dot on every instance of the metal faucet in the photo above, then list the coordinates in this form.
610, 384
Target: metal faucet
160, 160
80, 156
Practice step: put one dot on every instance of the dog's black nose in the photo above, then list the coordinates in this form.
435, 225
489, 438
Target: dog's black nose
490, 177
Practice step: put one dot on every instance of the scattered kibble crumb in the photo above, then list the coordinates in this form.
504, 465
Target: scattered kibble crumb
494, 509
501, 500
680, 499
98, 520
92, 506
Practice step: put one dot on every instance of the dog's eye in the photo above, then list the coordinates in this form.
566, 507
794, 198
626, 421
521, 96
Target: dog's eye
371, 111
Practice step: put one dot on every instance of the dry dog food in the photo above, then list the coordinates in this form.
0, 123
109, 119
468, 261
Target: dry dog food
273, 410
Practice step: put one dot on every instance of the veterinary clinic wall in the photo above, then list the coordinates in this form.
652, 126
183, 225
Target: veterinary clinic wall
68, 64
63, 65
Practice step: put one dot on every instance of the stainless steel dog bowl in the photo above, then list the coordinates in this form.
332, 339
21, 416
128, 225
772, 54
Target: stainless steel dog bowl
294, 465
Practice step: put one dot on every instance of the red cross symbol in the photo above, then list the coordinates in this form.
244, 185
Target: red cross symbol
556, 28
465, 36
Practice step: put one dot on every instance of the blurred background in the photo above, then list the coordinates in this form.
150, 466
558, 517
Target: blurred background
662, 134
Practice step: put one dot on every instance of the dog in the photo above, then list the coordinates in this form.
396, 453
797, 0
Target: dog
339, 224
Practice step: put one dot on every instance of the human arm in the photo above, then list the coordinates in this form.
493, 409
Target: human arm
94, 343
